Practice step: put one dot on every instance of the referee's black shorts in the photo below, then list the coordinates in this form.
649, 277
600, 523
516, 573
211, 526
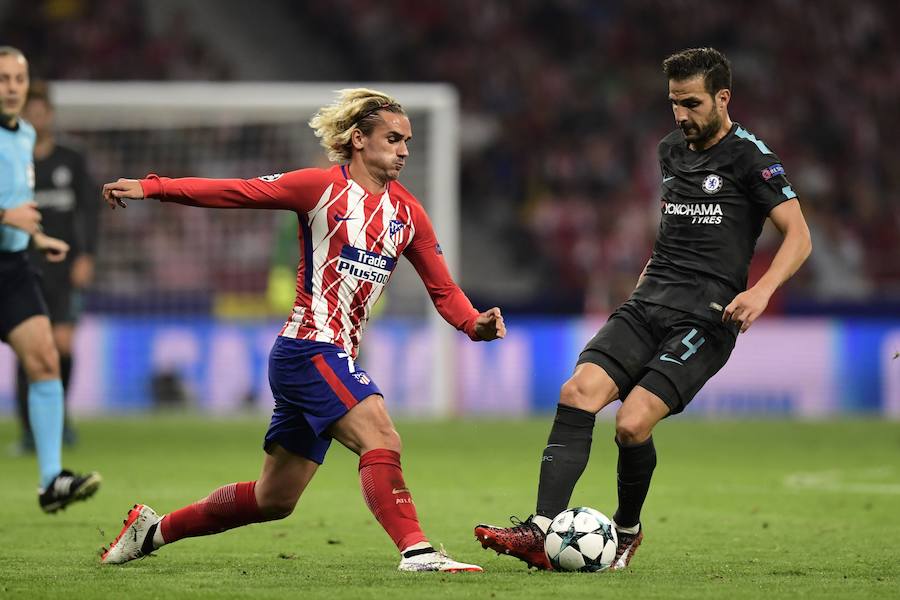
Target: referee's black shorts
20, 294
668, 352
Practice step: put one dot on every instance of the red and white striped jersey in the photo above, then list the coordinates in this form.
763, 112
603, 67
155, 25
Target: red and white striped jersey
350, 241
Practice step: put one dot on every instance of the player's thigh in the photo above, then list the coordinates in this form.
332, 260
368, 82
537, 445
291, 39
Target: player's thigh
32, 341
284, 477
621, 349
315, 385
367, 426
590, 388
694, 351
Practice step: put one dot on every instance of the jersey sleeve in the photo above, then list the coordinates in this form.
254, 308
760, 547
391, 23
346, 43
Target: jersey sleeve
297, 190
766, 181
426, 256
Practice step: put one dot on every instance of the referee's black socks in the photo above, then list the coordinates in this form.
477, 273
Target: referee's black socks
564, 458
636, 464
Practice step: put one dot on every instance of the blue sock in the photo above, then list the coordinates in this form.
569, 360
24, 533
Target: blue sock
45, 412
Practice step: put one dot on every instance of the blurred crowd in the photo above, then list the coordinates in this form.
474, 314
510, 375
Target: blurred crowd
563, 105
575, 102
108, 40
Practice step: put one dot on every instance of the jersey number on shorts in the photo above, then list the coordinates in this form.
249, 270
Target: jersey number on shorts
691, 348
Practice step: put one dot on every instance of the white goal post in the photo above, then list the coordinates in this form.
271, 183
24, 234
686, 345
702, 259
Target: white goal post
432, 172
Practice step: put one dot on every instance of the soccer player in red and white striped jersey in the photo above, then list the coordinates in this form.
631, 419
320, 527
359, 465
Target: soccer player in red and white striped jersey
355, 222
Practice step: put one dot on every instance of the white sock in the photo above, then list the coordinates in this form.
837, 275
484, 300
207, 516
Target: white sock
157, 535
542, 522
629, 530
418, 546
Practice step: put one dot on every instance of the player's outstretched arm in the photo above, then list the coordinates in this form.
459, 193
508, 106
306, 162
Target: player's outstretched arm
489, 325
117, 192
54, 250
794, 250
297, 190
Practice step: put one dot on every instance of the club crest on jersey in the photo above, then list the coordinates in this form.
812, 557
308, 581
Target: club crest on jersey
361, 377
396, 226
712, 183
367, 266
272, 177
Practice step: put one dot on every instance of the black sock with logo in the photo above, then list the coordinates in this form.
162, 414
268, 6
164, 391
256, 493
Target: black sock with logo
564, 458
636, 464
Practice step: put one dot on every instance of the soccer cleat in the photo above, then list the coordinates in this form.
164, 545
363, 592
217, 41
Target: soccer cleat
68, 487
434, 560
524, 540
129, 544
628, 545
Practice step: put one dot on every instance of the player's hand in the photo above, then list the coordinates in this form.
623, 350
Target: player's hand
746, 308
117, 192
25, 217
54, 250
489, 325
82, 271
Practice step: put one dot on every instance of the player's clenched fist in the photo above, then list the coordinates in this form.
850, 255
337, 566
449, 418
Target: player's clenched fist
489, 325
117, 192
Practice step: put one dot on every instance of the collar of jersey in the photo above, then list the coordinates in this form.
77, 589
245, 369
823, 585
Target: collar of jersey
345, 171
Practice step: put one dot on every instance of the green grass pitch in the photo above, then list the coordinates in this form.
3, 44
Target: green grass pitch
761, 509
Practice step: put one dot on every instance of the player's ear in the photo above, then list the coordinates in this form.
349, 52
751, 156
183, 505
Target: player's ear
357, 138
723, 96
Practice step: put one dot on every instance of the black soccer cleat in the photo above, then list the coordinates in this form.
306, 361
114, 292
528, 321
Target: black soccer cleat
68, 487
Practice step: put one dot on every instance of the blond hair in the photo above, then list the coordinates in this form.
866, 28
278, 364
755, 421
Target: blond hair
354, 108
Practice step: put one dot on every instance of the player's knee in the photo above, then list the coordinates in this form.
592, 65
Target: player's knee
631, 430
42, 361
573, 394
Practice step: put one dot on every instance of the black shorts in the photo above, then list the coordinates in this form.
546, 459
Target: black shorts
56, 285
668, 352
20, 296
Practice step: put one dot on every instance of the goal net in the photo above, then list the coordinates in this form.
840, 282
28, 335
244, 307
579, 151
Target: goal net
161, 271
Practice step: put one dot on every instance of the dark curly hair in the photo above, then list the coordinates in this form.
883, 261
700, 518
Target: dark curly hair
709, 62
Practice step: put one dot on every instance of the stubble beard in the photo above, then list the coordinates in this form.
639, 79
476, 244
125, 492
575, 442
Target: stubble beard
705, 133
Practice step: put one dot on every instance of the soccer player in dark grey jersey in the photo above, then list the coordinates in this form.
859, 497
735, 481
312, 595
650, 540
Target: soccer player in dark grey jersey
719, 184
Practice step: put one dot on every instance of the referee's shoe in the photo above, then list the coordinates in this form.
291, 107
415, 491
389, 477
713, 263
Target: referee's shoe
68, 487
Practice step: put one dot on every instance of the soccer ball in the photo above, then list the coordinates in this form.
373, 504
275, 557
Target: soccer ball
581, 539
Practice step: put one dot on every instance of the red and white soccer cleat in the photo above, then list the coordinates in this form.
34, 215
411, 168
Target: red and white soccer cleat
129, 544
628, 545
524, 540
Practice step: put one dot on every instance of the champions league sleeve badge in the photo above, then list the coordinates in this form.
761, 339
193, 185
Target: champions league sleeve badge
712, 184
